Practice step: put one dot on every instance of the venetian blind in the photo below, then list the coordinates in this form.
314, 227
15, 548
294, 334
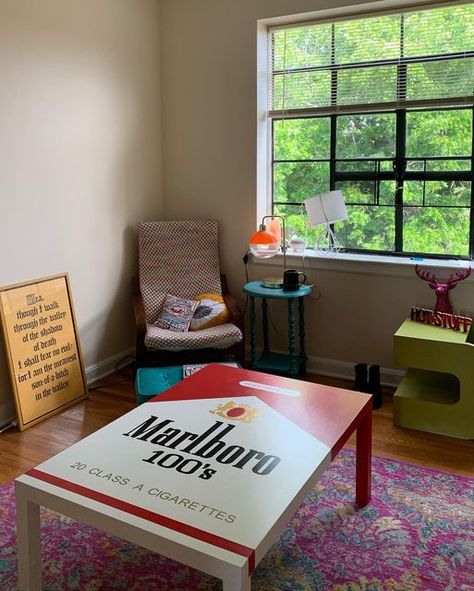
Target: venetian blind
419, 58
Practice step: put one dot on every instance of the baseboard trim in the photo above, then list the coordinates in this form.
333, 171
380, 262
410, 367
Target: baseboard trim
345, 370
334, 368
103, 368
7, 417
93, 373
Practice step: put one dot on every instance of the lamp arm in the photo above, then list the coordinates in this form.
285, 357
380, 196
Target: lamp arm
283, 233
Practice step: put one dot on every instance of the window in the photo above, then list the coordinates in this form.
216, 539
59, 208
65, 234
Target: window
381, 108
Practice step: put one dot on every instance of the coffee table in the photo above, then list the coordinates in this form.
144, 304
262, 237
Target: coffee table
208, 473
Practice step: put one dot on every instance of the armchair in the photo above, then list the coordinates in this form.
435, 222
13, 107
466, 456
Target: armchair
181, 258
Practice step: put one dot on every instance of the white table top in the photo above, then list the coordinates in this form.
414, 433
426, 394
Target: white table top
234, 469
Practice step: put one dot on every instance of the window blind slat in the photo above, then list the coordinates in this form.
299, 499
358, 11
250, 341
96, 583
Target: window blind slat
378, 60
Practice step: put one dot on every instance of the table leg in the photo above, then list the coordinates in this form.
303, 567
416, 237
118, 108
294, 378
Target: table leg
292, 370
265, 325
302, 331
28, 543
253, 333
239, 581
364, 459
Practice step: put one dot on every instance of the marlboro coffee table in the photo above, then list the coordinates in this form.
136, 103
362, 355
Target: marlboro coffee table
208, 473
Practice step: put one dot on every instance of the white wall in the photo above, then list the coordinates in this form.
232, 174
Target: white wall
209, 168
80, 159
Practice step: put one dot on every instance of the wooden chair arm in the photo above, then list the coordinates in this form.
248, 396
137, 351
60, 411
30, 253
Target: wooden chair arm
138, 308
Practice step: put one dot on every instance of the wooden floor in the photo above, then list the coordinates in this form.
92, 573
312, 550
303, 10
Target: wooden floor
114, 396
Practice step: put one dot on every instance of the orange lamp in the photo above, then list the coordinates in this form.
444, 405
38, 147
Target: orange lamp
265, 244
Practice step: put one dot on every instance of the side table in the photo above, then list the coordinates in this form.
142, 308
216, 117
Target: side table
293, 363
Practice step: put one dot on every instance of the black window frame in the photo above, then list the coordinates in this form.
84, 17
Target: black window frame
400, 105
399, 174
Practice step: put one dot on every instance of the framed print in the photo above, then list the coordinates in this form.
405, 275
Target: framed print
42, 348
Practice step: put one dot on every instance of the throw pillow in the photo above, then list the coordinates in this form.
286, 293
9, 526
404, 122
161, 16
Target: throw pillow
176, 313
211, 311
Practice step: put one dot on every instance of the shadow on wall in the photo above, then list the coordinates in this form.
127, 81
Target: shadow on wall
117, 325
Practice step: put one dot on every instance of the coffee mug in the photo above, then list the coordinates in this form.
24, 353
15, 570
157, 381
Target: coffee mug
291, 280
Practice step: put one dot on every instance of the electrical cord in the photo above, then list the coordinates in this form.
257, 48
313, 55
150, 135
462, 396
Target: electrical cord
13, 423
245, 260
119, 369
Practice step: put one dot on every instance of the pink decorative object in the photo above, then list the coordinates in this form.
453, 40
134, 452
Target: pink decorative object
427, 316
443, 303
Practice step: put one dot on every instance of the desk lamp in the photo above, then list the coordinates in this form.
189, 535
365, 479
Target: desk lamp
266, 243
323, 210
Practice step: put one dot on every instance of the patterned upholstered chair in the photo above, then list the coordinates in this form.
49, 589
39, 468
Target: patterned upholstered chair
181, 258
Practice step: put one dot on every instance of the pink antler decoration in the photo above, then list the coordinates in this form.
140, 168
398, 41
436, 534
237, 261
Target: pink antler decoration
443, 303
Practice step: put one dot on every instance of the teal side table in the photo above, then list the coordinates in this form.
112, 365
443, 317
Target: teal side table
293, 363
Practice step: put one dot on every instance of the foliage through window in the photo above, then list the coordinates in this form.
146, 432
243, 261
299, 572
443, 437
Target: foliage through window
382, 109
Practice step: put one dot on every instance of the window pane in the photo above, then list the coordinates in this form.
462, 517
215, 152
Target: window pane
300, 139
362, 192
387, 192
448, 193
433, 230
439, 79
415, 165
301, 89
451, 30
296, 181
295, 219
413, 193
386, 165
302, 47
439, 165
368, 39
367, 85
365, 136
370, 228
439, 133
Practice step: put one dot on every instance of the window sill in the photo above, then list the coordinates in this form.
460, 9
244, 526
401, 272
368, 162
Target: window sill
365, 264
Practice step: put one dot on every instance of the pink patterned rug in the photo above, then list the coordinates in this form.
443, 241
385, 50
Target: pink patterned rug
416, 534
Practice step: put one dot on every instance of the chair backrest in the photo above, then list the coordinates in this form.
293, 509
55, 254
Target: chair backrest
177, 257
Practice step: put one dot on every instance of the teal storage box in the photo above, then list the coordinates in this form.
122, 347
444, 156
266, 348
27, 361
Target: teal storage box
150, 381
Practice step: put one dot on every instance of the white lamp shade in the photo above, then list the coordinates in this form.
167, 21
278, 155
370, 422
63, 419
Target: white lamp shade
326, 208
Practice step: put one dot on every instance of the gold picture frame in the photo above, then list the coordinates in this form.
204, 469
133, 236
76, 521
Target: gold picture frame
42, 347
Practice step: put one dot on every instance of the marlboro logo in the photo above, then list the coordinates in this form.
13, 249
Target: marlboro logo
192, 453
236, 412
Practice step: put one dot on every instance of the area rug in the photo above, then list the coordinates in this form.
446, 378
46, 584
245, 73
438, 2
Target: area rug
416, 534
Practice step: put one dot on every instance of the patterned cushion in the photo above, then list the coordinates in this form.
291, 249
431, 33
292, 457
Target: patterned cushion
217, 337
176, 313
178, 257
211, 311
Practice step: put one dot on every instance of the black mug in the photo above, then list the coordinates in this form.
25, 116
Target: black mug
291, 280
